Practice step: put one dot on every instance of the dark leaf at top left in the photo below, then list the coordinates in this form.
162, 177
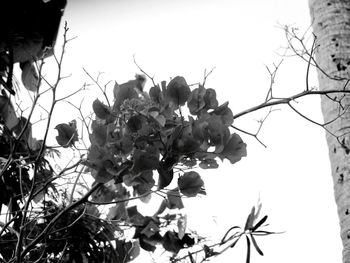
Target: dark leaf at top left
67, 134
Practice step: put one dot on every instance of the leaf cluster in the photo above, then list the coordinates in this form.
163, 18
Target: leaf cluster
141, 144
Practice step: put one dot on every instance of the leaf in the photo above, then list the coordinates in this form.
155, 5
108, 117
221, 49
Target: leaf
257, 248
147, 159
196, 100
151, 229
190, 183
165, 176
117, 212
174, 199
121, 144
97, 155
101, 110
144, 184
187, 142
67, 134
223, 240
181, 225
135, 123
225, 114
29, 76
250, 220
99, 133
264, 233
248, 250
187, 241
208, 164
7, 113
171, 242
148, 244
262, 221
234, 149
135, 217
134, 251
235, 242
210, 99
159, 118
123, 92
178, 91
209, 252
155, 94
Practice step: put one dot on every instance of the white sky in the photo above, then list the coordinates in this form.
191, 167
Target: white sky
169, 38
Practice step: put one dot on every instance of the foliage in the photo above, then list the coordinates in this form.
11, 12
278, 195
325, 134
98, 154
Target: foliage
141, 144
145, 143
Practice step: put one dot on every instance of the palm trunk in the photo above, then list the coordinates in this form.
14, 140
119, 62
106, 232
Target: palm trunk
331, 26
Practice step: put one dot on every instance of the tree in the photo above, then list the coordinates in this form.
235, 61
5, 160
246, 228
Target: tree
140, 142
136, 138
330, 22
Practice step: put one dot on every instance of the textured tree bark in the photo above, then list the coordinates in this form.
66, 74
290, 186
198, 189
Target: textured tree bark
331, 26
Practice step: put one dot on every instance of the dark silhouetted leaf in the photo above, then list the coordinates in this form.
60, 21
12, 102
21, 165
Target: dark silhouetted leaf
218, 134
208, 164
248, 250
234, 149
101, 110
187, 142
196, 100
30, 76
155, 94
256, 245
223, 240
150, 229
174, 199
225, 113
143, 184
171, 242
262, 221
134, 251
234, 243
145, 159
210, 99
99, 134
67, 134
135, 217
187, 241
178, 91
7, 113
250, 220
135, 123
148, 244
264, 233
209, 252
123, 92
117, 212
165, 176
190, 183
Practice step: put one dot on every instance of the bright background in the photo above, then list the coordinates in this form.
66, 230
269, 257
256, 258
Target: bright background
291, 176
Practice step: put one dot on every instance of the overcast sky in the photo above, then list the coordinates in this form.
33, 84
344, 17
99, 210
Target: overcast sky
168, 38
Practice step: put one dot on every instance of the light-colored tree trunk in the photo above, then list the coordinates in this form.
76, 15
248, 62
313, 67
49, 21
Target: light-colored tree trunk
331, 26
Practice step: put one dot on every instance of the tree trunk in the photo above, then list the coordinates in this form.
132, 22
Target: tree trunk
331, 26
